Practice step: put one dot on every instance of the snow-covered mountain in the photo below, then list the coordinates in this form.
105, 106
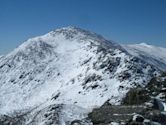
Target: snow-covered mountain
149, 53
72, 66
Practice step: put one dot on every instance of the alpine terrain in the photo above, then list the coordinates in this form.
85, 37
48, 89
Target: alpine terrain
60, 77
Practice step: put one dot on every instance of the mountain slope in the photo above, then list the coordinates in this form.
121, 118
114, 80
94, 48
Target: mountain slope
151, 54
56, 114
69, 66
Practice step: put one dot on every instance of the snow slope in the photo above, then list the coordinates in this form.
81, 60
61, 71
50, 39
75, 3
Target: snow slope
152, 54
56, 114
69, 66
1, 56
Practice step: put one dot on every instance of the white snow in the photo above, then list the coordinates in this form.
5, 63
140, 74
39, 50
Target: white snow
164, 105
136, 116
114, 123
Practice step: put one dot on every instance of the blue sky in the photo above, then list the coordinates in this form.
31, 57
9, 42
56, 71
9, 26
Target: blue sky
124, 21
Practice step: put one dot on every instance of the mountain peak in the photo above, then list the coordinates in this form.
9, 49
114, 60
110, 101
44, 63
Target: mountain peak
144, 44
70, 28
59, 39
73, 31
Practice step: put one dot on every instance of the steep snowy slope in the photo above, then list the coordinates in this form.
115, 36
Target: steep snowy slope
69, 66
56, 114
151, 54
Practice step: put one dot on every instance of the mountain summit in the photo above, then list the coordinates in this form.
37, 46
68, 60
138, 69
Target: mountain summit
71, 66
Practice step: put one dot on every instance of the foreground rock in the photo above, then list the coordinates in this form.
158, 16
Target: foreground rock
127, 115
141, 106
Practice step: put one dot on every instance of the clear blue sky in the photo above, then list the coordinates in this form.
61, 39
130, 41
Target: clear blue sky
124, 21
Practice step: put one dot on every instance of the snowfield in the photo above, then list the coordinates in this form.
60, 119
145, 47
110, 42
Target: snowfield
152, 54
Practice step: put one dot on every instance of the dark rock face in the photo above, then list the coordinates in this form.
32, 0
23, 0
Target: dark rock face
136, 96
136, 120
126, 114
140, 95
156, 116
110, 113
158, 104
16, 120
134, 109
